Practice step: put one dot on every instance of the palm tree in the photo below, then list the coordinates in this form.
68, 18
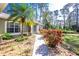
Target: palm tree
46, 19
30, 24
44, 14
21, 12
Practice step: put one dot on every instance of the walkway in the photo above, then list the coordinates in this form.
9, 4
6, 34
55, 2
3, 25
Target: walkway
40, 49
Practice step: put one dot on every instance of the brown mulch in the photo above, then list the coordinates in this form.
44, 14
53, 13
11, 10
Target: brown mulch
23, 48
60, 51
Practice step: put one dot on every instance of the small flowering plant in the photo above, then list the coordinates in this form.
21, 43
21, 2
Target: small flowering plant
53, 37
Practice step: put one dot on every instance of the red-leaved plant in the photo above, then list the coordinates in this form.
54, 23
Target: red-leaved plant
53, 37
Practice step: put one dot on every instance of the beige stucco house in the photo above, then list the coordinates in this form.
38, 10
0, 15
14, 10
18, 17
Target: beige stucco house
14, 28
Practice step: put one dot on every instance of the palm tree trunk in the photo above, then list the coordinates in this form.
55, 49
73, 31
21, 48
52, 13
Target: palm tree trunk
22, 20
22, 31
29, 30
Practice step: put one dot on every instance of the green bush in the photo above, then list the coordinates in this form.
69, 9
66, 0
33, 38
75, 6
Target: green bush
18, 39
6, 36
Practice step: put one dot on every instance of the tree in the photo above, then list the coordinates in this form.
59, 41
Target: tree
64, 12
46, 19
56, 13
30, 23
75, 13
22, 13
76, 9
43, 8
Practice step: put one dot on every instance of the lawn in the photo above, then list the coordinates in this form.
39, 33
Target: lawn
71, 42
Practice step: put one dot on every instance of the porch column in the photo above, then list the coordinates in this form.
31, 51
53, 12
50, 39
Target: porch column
37, 28
32, 29
5, 26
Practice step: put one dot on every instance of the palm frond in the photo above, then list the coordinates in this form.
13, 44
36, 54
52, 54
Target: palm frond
29, 13
19, 11
23, 6
11, 16
15, 19
17, 8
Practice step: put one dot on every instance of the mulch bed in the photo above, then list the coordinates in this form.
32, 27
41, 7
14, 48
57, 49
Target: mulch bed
13, 48
3, 42
60, 51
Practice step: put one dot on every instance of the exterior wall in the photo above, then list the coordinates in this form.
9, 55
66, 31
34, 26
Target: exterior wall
2, 26
3, 29
25, 28
33, 29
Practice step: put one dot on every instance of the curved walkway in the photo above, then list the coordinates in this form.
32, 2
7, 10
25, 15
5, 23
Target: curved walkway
40, 49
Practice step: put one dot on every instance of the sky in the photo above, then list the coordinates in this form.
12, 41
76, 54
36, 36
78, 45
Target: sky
58, 4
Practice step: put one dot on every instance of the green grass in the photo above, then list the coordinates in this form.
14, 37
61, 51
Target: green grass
72, 40
69, 31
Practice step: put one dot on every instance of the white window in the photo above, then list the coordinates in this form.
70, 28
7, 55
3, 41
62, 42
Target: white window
13, 27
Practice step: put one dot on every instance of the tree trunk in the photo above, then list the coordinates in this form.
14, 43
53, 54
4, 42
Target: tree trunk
64, 21
29, 30
22, 30
69, 23
77, 17
22, 20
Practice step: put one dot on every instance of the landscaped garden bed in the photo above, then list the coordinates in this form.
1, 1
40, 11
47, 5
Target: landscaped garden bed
17, 48
60, 51
54, 41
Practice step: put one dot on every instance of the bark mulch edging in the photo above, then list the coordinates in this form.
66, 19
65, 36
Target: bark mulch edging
60, 51
6, 42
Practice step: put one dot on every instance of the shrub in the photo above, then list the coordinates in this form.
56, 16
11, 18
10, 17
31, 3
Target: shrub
53, 37
6, 36
19, 39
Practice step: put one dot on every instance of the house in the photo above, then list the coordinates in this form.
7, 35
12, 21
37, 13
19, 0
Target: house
14, 28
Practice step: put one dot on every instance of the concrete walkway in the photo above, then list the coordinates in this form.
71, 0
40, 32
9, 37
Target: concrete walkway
40, 49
